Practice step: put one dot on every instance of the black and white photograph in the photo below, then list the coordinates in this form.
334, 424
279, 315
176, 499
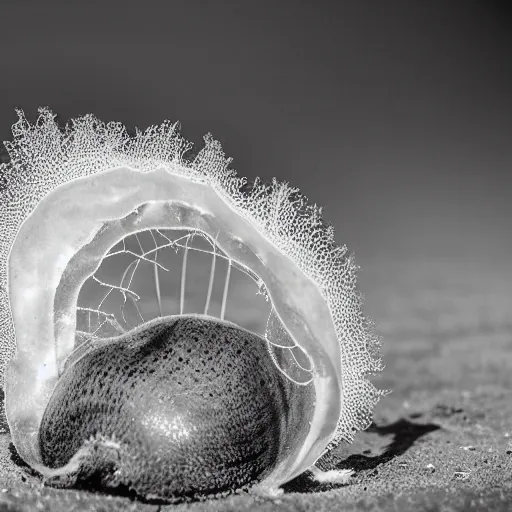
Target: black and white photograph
255, 256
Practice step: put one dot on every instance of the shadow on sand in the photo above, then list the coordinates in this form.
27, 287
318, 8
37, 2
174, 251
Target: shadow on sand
405, 435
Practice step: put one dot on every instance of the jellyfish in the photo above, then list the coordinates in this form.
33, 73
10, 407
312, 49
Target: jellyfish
183, 405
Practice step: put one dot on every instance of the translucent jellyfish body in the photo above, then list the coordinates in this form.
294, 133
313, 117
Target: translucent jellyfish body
69, 196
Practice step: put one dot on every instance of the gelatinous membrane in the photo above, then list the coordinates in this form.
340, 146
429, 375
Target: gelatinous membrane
71, 196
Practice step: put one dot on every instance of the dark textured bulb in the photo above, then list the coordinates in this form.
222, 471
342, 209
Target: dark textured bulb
181, 406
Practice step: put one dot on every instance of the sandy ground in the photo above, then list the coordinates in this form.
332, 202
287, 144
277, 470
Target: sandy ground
441, 441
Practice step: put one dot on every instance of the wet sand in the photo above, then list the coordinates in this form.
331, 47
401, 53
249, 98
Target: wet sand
441, 441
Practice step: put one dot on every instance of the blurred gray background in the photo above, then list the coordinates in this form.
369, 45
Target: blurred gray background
395, 116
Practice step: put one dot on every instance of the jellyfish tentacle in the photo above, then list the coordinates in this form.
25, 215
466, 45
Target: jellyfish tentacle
225, 292
183, 277
210, 280
279, 367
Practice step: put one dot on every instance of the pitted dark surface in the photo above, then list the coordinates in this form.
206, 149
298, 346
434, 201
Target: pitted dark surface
192, 403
